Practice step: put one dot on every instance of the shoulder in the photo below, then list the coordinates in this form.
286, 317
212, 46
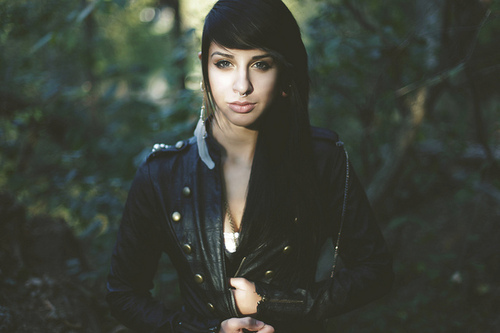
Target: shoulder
323, 134
323, 138
329, 154
162, 151
166, 159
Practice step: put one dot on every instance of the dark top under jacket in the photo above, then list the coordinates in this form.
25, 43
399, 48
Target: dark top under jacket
175, 207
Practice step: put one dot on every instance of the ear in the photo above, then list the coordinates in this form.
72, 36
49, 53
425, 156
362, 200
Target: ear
199, 55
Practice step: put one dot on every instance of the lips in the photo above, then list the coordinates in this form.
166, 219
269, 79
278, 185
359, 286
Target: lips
241, 107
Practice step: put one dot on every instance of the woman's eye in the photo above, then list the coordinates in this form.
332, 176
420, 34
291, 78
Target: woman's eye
262, 65
222, 64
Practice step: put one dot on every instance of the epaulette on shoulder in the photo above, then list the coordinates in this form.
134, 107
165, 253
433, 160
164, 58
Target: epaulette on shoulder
326, 134
160, 149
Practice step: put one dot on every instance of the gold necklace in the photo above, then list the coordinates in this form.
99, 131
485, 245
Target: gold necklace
231, 222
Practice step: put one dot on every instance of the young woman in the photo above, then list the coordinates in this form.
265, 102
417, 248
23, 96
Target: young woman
244, 207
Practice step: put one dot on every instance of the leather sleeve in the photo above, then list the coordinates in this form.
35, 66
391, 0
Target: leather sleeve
367, 273
133, 265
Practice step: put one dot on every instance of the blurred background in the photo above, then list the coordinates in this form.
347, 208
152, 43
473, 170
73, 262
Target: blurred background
88, 86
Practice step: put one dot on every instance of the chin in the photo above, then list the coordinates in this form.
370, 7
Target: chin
247, 125
245, 120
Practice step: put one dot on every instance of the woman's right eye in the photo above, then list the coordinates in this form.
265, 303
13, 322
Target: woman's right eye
222, 64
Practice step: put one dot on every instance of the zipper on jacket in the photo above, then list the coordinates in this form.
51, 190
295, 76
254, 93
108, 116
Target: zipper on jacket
233, 303
230, 297
233, 300
239, 267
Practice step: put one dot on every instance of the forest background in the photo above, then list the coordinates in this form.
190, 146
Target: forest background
88, 86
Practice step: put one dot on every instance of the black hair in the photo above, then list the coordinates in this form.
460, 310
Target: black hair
282, 192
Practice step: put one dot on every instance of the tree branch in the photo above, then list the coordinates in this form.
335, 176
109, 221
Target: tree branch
387, 174
439, 78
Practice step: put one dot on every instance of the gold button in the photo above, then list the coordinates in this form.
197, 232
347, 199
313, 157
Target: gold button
176, 216
211, 307
198, 278
186, 191
179, 144
287, 249
187, 248
269, 274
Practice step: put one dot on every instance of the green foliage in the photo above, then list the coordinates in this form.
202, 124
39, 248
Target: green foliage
88, 86
77, 112
368, 62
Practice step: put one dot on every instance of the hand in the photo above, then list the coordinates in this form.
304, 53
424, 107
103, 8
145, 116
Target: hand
245, 296
237, 325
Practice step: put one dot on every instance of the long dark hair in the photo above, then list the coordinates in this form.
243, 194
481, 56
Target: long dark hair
282, 192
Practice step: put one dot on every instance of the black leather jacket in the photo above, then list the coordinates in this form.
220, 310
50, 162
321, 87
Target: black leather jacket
174, 206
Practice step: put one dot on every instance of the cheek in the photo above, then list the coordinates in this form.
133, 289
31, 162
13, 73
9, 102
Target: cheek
215, 86
270, 86
219, 82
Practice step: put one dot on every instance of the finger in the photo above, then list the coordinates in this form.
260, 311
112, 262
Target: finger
240, 323
266, 329
251, 324
238, 283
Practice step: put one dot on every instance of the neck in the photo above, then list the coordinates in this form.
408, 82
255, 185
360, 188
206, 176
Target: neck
238, 142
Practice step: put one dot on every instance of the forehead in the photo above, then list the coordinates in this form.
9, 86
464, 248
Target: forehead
218, 50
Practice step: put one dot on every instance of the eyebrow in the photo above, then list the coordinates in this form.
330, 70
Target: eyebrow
232, 57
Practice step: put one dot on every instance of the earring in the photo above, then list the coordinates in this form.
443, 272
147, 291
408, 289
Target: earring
202, 110
285, 93
203, 116
201, 133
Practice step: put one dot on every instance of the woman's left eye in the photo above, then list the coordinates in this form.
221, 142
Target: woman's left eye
261, 65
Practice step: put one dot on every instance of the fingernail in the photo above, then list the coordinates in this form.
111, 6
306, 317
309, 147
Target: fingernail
259, 323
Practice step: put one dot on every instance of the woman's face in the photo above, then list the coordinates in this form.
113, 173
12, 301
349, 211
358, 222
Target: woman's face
244, 84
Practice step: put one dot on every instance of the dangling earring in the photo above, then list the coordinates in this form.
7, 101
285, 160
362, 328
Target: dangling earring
285, 93
202, 111
201, 133
202, 119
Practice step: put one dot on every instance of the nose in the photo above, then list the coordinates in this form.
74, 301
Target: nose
242, 84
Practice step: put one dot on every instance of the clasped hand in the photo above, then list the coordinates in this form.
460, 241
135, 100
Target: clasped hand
245, 296
246, 300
